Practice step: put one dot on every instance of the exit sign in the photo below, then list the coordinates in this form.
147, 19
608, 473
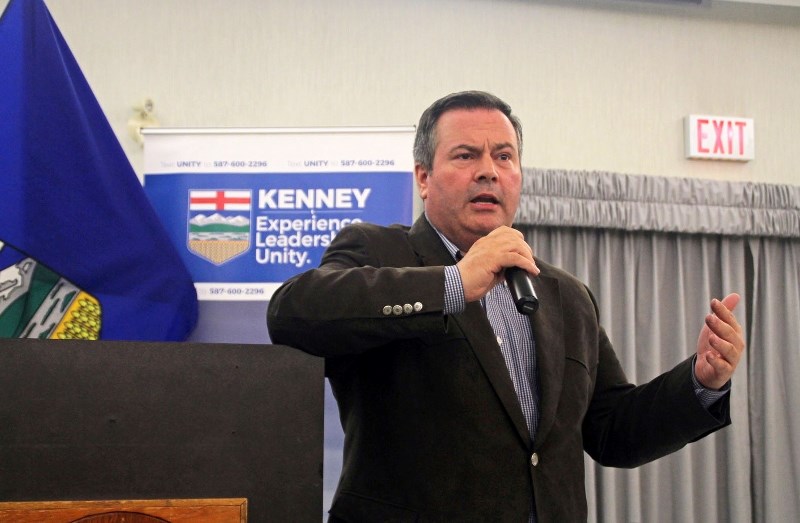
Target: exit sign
719, 137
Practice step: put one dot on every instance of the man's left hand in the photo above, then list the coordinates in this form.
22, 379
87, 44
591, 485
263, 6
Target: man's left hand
720, 345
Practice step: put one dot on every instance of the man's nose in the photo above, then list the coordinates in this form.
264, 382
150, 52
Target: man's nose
486, 169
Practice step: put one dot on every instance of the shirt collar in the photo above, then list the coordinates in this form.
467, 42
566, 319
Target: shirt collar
450, 246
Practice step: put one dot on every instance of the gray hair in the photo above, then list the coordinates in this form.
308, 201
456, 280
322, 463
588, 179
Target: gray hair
425, 138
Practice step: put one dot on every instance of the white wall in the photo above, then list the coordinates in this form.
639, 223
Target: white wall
599, 84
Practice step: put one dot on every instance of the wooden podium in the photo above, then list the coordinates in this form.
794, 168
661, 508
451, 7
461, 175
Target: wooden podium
91, 421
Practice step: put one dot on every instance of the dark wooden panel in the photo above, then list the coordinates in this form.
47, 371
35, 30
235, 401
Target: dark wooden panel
132, 420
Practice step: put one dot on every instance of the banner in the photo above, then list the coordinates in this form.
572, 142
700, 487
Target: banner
248, 209
82, 254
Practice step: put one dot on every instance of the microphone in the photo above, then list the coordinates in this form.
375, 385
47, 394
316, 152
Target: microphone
519, 283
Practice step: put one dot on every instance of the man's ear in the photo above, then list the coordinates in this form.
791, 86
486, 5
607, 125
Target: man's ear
421, 175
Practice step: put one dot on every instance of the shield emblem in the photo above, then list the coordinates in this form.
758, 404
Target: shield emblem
219, 223
35, 302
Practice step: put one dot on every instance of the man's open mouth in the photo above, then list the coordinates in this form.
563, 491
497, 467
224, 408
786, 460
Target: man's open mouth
485, 198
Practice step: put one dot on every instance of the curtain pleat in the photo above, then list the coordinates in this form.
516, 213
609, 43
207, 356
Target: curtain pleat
774, 365
651, 203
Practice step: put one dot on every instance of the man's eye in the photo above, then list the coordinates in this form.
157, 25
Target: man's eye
463, 156
505, 156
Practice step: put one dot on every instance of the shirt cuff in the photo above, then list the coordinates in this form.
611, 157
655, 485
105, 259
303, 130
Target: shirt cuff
706, 396
454, 301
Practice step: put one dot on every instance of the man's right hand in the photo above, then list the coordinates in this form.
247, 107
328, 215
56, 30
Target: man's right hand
482, 266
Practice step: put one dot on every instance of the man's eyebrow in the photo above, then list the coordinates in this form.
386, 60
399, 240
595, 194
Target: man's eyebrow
466, 147
477, 149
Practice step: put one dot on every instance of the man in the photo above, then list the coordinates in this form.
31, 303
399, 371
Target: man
455, 406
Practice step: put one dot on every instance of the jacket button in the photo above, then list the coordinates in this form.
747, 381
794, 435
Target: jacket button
417, 307
534, 459
407, 308
387, 310
397, 310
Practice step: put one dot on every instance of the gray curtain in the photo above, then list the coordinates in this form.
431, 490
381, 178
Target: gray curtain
655, 251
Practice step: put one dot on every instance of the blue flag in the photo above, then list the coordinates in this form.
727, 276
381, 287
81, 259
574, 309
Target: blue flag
82, 252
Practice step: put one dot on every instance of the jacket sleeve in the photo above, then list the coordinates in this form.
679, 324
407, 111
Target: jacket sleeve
627, 425
348, 304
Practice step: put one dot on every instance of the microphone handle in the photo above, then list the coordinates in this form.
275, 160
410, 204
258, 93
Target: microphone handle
521, 287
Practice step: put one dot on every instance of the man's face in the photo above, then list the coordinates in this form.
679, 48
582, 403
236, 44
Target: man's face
474, 184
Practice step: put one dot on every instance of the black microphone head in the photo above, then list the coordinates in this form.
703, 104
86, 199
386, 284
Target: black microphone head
527, 305
519, 283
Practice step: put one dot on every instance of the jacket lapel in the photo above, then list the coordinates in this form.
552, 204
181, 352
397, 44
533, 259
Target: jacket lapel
478, 331
475, 326
548, 332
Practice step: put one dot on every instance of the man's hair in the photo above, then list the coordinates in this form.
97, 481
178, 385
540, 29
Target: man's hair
425, 139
